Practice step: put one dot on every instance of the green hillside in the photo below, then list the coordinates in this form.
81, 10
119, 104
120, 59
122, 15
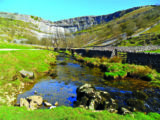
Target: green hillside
126, 30
18, 31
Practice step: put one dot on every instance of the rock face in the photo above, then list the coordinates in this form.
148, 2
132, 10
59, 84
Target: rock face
28, 74
81, 23
88, 97
32, 102
69, 25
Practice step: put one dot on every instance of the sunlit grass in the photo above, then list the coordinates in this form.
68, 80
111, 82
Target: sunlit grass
6, 45
11, 62
114, 69
68, 113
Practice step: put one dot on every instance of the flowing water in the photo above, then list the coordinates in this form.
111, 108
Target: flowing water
71, 75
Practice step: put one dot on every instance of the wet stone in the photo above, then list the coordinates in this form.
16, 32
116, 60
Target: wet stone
140, 95
24, 102
32, 102
36, 99
136, 103
124, 111
63, 63
28, 74
47, 104
93, 99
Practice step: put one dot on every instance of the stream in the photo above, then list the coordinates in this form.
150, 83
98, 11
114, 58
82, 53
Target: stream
62, 88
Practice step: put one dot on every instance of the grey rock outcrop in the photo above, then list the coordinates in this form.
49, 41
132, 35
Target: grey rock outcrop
89, 97
28, 74
32, 102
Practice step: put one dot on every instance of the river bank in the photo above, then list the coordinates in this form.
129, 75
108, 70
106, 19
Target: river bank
12, 82
67, 71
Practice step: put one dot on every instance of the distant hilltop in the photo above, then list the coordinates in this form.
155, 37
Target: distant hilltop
123, 28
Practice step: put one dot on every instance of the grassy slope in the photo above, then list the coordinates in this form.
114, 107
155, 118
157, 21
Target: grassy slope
155, 29
15, 29
12, 62
151, 36
132, 23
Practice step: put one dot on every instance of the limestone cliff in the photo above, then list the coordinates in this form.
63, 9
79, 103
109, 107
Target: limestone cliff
69, 25
81, 23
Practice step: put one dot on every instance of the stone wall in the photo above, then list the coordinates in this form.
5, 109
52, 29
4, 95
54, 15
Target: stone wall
93, 53
150, 59
132, 56
128, 49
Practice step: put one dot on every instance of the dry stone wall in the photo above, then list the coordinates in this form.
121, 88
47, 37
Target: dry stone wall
134, 55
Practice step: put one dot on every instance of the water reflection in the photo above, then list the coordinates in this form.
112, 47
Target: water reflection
70, 76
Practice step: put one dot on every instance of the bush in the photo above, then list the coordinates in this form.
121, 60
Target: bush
115, 59
114, 69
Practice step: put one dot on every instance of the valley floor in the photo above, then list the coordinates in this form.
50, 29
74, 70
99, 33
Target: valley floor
11, 84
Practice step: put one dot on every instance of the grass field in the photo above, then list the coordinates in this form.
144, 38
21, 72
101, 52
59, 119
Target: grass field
68, 113
155, 51
11, 62
5, 45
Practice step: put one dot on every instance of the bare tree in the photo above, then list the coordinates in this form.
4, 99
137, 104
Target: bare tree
57, 38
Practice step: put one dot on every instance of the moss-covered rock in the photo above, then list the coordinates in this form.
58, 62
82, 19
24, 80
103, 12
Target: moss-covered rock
136, 103
140, 95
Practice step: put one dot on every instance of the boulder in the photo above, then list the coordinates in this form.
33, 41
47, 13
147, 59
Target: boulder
28, 74
89, 97
32, 102
92, 105
33, 105
35, 99
136, 103
140, 95
47, 104
24, 103
85, 90
124, 111
111, 105
111, 110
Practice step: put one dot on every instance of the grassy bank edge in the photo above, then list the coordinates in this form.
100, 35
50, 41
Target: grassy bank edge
68, 113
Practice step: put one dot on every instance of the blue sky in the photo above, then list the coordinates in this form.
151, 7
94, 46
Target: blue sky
64, 9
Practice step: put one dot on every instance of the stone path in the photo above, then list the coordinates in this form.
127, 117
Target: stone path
16, 49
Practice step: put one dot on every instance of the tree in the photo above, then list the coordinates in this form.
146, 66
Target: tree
116, 29
131, 28
57, 38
